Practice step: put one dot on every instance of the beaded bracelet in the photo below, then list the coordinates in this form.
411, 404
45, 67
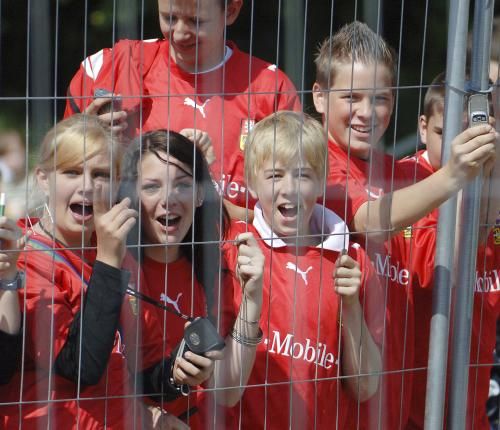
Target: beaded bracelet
246, 321
247, 341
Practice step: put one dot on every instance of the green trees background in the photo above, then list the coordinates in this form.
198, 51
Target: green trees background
42, 43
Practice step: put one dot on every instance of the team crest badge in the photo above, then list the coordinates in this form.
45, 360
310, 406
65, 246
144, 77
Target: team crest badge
245, 128
496, 235
407, 232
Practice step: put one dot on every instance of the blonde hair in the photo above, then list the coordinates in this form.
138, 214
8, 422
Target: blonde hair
354, 42
286, 136
76, 139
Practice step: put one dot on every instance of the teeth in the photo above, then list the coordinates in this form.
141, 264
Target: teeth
288, 206
362, 129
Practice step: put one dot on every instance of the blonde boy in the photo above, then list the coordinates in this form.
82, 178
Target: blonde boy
320, 314
354, 93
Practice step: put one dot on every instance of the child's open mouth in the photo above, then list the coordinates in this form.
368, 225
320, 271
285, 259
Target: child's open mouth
170, 221
288, 210
81, 209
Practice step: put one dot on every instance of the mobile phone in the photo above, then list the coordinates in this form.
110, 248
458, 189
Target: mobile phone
114, 105
478, 110
200, 337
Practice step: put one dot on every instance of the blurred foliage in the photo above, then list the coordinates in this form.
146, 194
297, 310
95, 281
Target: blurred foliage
77, 28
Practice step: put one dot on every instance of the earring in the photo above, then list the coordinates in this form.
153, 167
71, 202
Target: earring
199, 202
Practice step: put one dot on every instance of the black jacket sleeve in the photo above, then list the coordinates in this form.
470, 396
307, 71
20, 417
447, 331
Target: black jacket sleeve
98, 321
10, 355
155, 382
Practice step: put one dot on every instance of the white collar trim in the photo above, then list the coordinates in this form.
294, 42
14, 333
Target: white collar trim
227, 55
425, 156
334, 229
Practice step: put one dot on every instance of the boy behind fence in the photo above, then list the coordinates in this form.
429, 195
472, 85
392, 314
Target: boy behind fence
421, 251
354, 93
321, 313
191, 79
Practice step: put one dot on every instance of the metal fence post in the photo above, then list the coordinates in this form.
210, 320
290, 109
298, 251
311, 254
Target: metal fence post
438, 343
469, 229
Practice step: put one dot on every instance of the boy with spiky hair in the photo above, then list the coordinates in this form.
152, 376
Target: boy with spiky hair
354, 93
421, 252
321, 312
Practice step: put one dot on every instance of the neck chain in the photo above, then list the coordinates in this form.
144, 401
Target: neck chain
78, 251
61, 244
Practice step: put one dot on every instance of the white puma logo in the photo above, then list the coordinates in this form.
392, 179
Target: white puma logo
169, 301
188, 101
303, 274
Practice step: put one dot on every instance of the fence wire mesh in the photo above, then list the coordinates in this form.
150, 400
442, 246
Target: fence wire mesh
238, 214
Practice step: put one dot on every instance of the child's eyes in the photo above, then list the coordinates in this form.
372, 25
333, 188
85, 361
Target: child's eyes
272, 177
150, 187
71, 172
169, 19
197, 21
381, 99
102, 175
184, 186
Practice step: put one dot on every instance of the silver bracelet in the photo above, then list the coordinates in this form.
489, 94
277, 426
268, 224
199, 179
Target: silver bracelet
247, 321
247, 341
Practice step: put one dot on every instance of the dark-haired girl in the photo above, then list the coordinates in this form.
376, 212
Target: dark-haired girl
182, 223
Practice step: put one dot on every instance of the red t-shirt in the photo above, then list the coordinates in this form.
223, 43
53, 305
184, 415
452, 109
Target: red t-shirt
421, 251
294, 382
352, 182
55, 282
173, 285
225, 102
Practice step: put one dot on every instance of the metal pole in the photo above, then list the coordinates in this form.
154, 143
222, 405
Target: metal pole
41, 67
372, 16
293, 40
469, 229
127, 19
438, 343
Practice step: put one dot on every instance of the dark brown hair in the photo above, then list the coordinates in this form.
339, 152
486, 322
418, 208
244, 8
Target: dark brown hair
201, 245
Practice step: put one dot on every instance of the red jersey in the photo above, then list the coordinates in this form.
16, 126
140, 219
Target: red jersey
55, 284
352, 182
421, 252
295, 379
174, 286
225, 102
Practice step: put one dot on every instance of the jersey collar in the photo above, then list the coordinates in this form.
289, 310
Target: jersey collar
334, 228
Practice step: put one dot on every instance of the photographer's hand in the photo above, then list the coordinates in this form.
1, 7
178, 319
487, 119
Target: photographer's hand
117, 120
193, 369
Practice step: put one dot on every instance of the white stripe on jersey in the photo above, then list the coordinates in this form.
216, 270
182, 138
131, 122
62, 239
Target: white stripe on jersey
92, 65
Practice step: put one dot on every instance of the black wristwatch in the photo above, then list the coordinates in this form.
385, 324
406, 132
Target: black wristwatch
13, 284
